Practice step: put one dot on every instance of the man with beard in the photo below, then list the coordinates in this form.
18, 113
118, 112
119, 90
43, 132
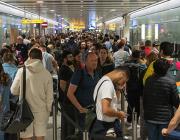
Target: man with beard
65, 73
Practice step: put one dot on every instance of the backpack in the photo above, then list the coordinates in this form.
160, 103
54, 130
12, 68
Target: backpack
133, 83
126, 49
174, 73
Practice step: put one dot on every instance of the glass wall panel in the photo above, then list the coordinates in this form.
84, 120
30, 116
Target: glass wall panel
167, 23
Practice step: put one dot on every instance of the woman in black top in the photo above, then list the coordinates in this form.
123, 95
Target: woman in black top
105, 63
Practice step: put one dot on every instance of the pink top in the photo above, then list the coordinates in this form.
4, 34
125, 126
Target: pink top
178, 65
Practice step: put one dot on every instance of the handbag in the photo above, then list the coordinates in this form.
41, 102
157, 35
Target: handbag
23, 116
91, 113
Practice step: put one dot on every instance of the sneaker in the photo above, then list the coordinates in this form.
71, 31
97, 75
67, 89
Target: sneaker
130, 128
128, 124
138, 126
126, 138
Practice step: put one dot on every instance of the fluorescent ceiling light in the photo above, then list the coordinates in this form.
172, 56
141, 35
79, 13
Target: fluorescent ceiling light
143, 31
40, 1
113, 10
115, 20
12, 10
156, 31
157, 7
62, 18
51, 10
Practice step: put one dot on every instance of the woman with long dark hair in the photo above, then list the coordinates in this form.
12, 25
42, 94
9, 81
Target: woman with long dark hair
105, 63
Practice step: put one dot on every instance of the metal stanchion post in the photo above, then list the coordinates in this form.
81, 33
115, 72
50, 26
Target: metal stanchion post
134, 124
55, 117
123, 109
85, 135
55, 105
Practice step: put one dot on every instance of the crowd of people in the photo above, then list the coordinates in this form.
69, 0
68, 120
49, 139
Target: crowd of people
92, 68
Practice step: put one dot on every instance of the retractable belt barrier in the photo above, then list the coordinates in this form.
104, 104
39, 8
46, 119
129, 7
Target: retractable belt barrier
123, 109
134, 126
134, 116
55, 105
85, 133
54, 109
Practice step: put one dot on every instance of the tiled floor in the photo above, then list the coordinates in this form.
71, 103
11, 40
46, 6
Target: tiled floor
50, 129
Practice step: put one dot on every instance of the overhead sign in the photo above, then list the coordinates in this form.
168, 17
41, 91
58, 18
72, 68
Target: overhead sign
44, 24
77, 27
31, 21
112, 26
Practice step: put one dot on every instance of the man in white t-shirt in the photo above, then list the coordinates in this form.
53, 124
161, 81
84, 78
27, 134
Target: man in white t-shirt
108, 99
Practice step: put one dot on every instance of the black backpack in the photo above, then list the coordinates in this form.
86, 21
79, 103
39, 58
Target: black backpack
174, 73
126, 49
133, 83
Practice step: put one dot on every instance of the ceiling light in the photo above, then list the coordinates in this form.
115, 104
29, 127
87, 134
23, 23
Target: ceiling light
40, 2
58, 15
81, 6
62, 18
82, 1
51, 10
115, 20
113, 10
81, 10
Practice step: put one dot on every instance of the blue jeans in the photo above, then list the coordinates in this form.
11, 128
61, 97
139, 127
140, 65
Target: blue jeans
100, 128
154, 131
1, 135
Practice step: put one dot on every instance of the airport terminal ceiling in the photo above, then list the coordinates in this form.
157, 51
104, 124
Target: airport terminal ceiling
81, 9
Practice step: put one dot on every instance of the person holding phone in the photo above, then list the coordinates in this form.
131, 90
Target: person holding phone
107, 92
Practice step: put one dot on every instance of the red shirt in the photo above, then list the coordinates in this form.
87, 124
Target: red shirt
147, 51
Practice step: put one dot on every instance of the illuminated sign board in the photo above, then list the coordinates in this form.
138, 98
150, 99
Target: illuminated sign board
44, 24
31, 21
112, 26
77, 25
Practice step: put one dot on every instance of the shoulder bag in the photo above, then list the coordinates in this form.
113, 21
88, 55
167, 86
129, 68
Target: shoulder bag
23, 116
91, 114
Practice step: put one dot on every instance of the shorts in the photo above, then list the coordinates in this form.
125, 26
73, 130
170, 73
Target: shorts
38, 127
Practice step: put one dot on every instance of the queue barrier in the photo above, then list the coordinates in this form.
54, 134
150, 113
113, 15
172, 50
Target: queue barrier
85, 133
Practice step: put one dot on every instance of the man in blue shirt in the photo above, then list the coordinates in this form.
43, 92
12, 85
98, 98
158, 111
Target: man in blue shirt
82, 85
